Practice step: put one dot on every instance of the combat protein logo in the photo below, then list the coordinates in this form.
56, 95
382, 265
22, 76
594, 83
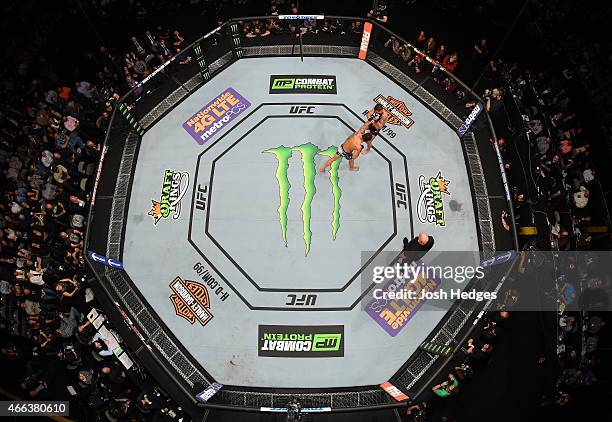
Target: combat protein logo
301, 341
430, 208
190, 300
399, 112
303, 84
174, 187
308, 152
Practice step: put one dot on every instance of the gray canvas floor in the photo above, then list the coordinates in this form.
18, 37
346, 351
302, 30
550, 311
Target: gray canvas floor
229, 224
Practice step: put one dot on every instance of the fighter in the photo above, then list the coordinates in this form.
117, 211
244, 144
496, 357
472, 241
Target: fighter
351, 148
377, 119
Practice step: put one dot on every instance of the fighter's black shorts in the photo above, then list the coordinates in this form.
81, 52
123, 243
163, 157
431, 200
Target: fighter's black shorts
373, 130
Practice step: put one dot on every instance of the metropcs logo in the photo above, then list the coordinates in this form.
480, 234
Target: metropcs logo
303, 84
216, 115
399, 112
308, 152
190, 300
301, 341
174, 187
430, 208
470, 119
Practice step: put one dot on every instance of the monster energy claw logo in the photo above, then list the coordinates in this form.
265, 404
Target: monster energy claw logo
308, 152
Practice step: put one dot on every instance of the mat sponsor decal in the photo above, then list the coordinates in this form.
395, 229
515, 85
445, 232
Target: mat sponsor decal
174, 187
394, 314
303, 84
190, 300
399, 114
216, 115
430, 207
316, 341
309, 153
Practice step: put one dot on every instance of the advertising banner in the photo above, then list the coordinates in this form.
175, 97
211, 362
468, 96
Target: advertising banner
316, 341
101, 259
394, 314
303, 84
393, 391
470, 119
215, 116
365, 40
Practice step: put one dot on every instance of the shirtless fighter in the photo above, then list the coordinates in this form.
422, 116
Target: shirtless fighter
351, 148
377, 119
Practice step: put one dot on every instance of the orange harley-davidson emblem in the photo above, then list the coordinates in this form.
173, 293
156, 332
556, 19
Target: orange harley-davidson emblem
399, 114
190, 300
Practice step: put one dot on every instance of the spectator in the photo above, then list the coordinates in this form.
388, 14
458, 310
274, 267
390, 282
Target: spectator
447, 388
379, 13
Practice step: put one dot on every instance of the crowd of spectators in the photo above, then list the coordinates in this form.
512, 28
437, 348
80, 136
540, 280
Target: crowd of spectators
556, 173
474, 354
578, 355
49, 146
586, 59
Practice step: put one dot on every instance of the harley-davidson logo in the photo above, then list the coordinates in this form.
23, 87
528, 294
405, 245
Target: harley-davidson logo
398, 111
190, 300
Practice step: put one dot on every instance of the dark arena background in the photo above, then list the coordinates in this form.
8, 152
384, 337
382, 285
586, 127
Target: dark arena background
315, 211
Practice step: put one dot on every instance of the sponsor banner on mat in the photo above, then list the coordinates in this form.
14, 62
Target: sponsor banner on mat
470, 119
393, 391
174, 187
191, 301
101, 259
211, 119
310, 153
303, 84
288, 341
430, 206
394, 314
365, 40
399, 112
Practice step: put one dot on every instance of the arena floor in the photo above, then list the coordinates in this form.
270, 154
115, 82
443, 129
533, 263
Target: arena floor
236, 240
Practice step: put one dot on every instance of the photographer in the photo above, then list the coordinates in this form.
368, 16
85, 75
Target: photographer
294, 410
494, 104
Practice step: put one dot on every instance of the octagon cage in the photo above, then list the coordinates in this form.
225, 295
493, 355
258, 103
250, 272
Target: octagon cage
147, 337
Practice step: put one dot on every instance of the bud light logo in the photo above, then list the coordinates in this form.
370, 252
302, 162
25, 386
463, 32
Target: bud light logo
470, 120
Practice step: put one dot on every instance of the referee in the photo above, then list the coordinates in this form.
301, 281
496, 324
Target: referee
416, 248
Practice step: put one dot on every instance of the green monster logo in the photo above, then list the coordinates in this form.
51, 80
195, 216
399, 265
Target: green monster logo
308, 152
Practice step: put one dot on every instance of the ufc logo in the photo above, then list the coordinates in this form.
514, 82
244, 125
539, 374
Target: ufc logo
301, 110
303, 300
